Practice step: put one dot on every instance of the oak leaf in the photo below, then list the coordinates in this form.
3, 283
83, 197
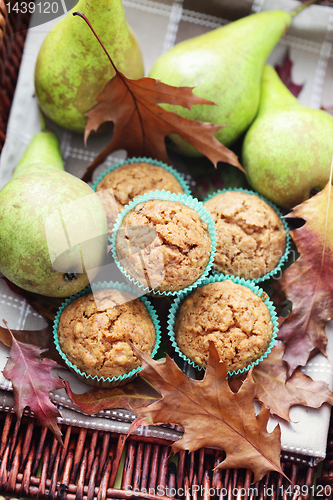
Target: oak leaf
141, 125
284, 71
212, 415
134, 395
308, 282
32, 381
279, 394
41, 338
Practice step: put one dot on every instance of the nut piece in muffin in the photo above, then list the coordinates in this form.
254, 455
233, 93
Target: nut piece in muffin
163, 245
251, 238
97, 339
230, 315
130, 181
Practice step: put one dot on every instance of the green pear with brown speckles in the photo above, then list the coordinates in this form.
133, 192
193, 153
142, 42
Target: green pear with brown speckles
288, 150
53, 232
224, 66
72, 69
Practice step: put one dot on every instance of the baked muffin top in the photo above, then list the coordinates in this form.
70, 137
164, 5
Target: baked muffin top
95, 335
164, 245
130, 181
230, 315
251, 238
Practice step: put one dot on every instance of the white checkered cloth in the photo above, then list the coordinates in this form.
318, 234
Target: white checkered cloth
310, 41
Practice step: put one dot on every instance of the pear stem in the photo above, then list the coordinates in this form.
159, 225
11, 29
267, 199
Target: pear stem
80, 14
304, 5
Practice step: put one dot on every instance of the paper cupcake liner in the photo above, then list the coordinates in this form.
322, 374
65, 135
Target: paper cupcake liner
284, 257
190, 202
213, 279
144, 159
108, 381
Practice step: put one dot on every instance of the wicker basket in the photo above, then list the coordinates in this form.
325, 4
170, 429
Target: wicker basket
12, 36
34, 464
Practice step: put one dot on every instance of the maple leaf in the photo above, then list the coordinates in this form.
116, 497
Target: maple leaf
136, 394
32, 381
284, 71
141, 125
308, 282
279, 394
212, 415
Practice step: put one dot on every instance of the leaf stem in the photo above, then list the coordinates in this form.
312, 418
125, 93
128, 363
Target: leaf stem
80, 14
304, 5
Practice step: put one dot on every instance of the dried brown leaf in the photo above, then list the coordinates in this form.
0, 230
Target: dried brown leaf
134, 395
141, 125
308, 282
212, 415
279, 394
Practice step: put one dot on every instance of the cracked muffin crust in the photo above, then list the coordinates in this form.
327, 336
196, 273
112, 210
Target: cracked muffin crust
97, 340
130, 181
230, 315
164, 245
251, 238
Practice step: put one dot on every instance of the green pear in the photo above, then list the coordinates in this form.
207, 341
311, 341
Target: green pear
287, 152
53, 232
225, 66
72, 69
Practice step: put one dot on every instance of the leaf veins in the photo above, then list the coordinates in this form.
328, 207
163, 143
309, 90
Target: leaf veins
308, 282
141, 125
212, 415
32, 381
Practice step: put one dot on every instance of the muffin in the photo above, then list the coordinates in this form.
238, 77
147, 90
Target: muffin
229, 314
164, 244
95, 331
251, 237
130, 180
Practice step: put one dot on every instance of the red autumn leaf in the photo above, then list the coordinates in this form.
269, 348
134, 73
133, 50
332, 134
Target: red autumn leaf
138, 422
42, 338
32, 381
134, 395
308, 282
141, 125
279, 394
212, 415
284, 71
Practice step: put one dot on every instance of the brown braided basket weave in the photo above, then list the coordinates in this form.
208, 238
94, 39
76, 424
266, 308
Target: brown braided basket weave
33, 464
12, 36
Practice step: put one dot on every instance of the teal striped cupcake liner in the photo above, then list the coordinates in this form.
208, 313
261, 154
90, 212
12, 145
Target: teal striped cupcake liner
109, 381
188, 201
214, 279
144, 159
285, 255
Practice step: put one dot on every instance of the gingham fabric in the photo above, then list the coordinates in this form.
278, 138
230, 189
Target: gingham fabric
158, 26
